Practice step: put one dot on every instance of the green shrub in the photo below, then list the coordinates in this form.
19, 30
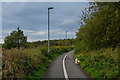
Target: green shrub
29, 62
98, 64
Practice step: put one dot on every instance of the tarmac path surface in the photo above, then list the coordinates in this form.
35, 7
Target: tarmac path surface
63, 67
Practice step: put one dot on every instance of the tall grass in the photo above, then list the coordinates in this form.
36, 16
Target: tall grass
101, 63
25, 63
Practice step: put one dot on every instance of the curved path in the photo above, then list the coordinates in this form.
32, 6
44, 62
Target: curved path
63, 67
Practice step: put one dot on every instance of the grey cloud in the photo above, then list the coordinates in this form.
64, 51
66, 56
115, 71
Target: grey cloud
32, 18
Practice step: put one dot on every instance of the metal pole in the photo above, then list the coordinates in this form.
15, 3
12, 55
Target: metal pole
48, 32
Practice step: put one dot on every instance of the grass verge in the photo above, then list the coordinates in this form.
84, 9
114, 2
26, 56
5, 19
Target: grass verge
100, 64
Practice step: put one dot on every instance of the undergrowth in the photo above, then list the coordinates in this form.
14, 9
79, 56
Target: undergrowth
100, 64
28, 63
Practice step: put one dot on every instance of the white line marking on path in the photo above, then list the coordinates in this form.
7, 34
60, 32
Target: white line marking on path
64, 69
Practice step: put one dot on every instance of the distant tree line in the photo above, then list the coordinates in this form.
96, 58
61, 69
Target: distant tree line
17, 39
60, 42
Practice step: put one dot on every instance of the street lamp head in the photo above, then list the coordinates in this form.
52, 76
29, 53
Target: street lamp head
50, 8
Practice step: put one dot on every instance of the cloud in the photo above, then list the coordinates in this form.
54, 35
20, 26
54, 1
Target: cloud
33, 19
1, 41
39, 33
0, 20
46, 0
31, 39
7, 31
28, 31
67, 22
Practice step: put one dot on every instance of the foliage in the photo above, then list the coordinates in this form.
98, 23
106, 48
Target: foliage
20, 56
60, 42
100, 63
98, 42
28, 62
99, 27
15, 40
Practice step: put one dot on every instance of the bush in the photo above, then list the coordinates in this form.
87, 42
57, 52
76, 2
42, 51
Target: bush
25, 63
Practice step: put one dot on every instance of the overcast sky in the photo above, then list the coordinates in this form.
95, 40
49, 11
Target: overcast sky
32, 18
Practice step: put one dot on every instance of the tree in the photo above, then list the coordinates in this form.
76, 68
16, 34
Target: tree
100, 27
15, 40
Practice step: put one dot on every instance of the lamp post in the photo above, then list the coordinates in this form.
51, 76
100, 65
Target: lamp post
49, 29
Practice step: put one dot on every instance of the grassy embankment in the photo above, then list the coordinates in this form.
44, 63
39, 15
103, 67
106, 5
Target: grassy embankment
97, 44
100, 64
29, 62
